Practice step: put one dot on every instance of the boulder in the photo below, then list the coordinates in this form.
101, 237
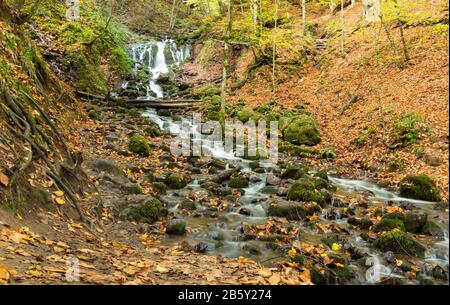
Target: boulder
139, 145
302, 131
176, 227
399, 242
420, 187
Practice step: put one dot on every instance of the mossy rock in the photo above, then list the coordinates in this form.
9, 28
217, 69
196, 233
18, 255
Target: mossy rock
176, 182
399, 242
302, 131
294, 172
153, 131
176, 227
296, 150
432, 228
238, 182
245, 115
188, 205
161, 187
414, 223
310, 189
149, 211
388, 225
328, 277
164, 112
94, 115
139, 145
207, 91
269, 190
420, 187
292, 210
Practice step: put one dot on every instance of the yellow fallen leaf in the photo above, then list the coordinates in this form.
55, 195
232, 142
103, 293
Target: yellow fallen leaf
22, 252
161, 269
335, 247
60, 201
6, 274
274, 279
58, 193
339, 265
292, 252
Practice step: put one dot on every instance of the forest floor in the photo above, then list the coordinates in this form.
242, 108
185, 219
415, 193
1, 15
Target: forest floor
40, 246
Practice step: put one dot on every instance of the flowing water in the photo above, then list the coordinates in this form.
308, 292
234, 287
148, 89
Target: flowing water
224, 232
154, 59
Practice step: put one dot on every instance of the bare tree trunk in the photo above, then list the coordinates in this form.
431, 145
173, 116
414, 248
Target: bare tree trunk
172, 15
304, 16
226, 59
274, 49
342, 29
260, 17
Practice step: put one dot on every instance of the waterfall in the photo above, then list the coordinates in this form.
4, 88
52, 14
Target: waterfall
152, 60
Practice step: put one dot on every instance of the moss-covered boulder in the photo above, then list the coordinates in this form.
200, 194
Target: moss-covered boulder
153, 131
149, 210
432, 228
399, 242
388, 225
176, 182
188, 205
176, 227
139, 145
310, 189
161, 187
420, 187
413, 222
302, 131
164, 112
238, 182
244, 115
294, 172
293, 210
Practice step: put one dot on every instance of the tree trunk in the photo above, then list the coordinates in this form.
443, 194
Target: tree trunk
274, 48
304, 16
226, 57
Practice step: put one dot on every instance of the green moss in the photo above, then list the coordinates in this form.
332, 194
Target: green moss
238, 183
176, 227
161, 187
164, 112
389, 224
188, 205
294, 172
292, 211
420, 187
399, 242
149, 211
244, 115
153, 131
207, 91
310, 189
302, 130
175, 182
139, 145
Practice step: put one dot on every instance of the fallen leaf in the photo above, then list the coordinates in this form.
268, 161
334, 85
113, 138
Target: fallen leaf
274, 279
4, 180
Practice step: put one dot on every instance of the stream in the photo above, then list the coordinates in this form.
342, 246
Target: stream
223, 231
